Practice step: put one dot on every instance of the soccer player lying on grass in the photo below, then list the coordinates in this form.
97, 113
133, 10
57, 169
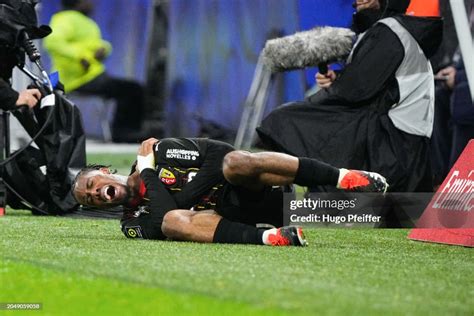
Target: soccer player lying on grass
202, 190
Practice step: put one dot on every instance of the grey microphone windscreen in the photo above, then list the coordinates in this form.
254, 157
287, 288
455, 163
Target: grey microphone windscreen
308, 48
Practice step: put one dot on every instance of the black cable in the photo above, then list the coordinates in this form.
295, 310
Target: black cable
38, 134
33, 53
10, 159
34, 56
23, 200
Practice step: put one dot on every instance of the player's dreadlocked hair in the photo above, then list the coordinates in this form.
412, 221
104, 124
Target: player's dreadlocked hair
89, 168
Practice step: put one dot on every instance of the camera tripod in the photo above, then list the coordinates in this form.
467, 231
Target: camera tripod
4, 153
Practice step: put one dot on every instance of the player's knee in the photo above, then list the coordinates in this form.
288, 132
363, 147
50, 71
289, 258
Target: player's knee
238, 164
175, 223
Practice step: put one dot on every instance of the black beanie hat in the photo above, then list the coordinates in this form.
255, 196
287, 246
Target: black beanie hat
399, 6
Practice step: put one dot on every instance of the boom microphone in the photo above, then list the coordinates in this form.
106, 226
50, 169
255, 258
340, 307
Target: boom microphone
316, 47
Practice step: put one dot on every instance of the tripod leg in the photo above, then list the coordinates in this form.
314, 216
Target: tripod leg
260, 103
3, 197
249, 106
4, 150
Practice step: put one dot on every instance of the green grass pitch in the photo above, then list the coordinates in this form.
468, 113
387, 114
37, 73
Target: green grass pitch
87, 267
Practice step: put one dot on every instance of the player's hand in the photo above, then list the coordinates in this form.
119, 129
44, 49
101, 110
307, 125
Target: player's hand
449, 75
146, 156
85, 64
28, 97
326, 80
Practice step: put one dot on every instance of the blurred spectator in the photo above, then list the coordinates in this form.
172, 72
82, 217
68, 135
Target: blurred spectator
78, 52
454, 115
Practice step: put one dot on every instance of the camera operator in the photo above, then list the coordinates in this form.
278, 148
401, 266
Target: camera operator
39, 176
10, 55
11, 99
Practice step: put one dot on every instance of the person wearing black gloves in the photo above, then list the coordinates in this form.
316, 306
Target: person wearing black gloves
377, 114
202, 190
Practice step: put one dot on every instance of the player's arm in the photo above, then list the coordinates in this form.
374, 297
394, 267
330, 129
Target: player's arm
148, 225
161, 202
209, 175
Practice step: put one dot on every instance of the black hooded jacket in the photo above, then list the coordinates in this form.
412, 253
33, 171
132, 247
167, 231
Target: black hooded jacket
347, 125
8, 96
375, 61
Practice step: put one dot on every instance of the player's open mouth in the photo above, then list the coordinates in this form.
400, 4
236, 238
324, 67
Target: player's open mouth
109, 192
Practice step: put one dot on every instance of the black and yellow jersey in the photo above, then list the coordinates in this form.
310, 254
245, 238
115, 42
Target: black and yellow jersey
189, 170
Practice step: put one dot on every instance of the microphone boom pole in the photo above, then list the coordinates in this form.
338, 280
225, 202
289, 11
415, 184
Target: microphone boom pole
315, 47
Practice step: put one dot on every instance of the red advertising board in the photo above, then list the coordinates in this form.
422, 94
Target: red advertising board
449, 218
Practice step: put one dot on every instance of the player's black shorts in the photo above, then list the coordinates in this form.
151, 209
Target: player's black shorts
241, 205
236, 204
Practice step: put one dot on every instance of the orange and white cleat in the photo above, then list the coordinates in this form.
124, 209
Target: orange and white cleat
286, 236
362, 181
